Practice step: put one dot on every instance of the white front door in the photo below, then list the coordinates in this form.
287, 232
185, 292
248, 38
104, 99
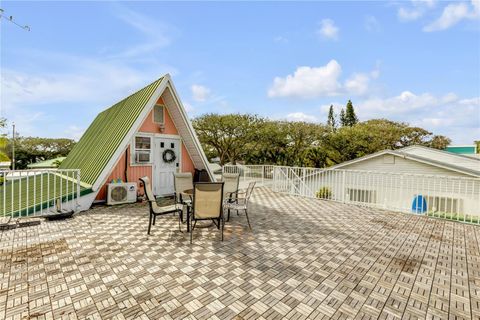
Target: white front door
163, 170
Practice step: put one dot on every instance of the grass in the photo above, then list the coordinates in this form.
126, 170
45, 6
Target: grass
454, 216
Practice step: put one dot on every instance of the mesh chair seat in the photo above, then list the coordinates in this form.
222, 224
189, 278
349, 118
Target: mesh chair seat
165, 209
236, 205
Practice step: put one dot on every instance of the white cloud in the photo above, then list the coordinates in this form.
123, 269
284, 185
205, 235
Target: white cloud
476, 7
44, 102
86, 84
328, 29
471, 101
308, 82
418, 9
200, 93
445, 114
371, 24
74, 132
300, 116
155, 33
407, 101
312, 82
357, 83
405, 14
188, 107
280, 39
453, 14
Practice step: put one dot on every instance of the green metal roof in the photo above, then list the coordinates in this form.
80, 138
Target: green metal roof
104, 136
21, 196
462, 149
50, 163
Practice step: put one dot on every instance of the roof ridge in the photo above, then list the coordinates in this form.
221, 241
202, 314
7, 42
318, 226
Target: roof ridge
440, 151
119, 101
104, 135
446, 164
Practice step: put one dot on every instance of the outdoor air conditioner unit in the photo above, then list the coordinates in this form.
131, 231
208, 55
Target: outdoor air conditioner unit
118, 193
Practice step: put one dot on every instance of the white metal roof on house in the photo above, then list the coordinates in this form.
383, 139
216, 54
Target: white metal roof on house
5, 164
456, 159
446, 160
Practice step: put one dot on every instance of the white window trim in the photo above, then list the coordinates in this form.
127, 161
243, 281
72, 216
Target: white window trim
153, 114
133, 150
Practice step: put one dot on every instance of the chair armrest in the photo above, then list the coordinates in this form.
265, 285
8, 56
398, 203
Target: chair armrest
181, 197
237, 192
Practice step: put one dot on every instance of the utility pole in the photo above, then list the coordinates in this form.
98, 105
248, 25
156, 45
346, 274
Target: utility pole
10, 19
13, 148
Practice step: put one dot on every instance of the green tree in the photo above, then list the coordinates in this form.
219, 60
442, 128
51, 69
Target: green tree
350, 117
316, 157
438, 142
34, 149
367, 137
272, 144
331, 121
230, 135
477, 143
300, 138
3, 142
261, 141
343, 119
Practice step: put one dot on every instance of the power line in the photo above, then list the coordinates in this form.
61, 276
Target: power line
10, 18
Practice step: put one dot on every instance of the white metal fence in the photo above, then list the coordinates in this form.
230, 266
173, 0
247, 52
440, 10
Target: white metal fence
38, 192
262, 174
447, 197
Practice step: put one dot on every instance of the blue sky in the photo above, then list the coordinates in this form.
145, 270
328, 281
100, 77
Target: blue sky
413, 61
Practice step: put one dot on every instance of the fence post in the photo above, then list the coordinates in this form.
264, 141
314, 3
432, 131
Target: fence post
263, 174
78, 190
303, 190
343, 186
274, 180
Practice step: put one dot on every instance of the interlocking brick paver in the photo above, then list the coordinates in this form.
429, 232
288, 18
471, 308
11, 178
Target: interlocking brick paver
305, 259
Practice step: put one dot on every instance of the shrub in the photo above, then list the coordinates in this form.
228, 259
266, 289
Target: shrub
324, 193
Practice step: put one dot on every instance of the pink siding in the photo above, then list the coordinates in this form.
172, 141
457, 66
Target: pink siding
187, 163
150, 126
136, 172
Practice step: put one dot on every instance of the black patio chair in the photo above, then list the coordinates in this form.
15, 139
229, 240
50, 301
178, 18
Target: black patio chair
155, 209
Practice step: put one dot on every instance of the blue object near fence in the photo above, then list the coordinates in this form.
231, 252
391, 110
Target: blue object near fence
419, 204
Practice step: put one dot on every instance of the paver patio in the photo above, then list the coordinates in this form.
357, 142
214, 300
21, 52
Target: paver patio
306, 259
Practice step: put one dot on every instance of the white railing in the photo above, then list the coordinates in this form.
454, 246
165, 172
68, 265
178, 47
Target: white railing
448, 197
38, 192
262, 174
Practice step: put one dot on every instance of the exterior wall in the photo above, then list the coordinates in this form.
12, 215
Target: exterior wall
391, 190
134, 172
150, 127
401, 165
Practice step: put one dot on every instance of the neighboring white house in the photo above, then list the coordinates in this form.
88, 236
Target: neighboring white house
449, 182
416, 160
5, 165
